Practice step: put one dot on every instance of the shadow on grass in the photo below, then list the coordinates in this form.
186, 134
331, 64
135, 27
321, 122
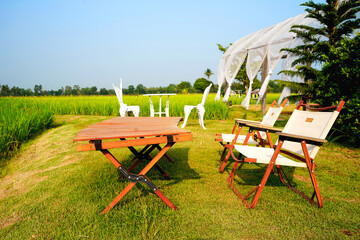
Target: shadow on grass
178, 170
251, 174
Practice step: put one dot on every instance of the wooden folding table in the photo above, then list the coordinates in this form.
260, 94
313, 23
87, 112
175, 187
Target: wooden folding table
130, 132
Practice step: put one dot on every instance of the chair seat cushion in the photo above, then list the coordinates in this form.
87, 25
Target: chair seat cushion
263, 156
240, 139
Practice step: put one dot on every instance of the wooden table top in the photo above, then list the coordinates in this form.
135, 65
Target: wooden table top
130, 127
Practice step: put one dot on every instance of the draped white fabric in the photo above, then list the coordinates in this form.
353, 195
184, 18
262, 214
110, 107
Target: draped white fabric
285, 93
221, 77
274, 56
234, 58
255, 59
255, 48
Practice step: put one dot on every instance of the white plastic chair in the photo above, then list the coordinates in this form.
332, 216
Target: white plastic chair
124, 109
200, 109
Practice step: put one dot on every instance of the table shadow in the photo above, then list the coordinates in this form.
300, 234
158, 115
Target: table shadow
178, 170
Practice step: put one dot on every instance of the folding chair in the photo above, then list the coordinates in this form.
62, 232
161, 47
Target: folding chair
253, 137
297, 146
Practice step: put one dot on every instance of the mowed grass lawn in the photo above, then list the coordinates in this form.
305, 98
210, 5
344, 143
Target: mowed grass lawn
50, 191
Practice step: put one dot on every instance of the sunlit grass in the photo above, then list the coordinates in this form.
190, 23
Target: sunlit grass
50, 191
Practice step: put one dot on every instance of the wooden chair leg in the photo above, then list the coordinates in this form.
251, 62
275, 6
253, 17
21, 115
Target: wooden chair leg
258, 189
223, 161
231, 185
316, 193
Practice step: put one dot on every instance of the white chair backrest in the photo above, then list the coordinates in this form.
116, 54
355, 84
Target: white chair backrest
118, 92
206, 93
272, 115
309, 124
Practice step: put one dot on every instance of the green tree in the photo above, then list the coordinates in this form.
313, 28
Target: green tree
184, 86
76, 90
201, 83
171, 88
222, 48
5, 90
37, 90
337, 20
16, 91
275, 86
208, 73
93, 90
131, 89
83, 91
28, 92
103, 91
140, 89
68, 90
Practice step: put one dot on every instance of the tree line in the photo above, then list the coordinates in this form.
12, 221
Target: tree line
76, 90
183, 87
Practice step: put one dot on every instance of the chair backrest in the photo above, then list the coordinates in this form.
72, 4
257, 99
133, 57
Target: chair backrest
272, 115
118, 92
311, 123
206, 93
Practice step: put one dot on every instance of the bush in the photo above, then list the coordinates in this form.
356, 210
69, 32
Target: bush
339, 80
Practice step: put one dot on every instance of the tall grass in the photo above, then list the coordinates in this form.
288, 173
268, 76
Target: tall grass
19, 120
21, 117
109, 105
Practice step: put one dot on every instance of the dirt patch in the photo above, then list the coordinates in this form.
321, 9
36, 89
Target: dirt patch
302, 178
338, 199
335, 173
347, 232
20, 183
8, 221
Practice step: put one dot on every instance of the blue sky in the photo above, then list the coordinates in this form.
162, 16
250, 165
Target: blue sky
154, 43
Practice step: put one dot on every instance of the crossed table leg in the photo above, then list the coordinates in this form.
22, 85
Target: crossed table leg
145, 154
133, 178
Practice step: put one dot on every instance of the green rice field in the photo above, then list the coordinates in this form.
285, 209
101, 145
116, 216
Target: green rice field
22, 117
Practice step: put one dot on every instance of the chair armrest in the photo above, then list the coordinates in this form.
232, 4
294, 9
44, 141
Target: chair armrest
244, 121
263, 127
298, 138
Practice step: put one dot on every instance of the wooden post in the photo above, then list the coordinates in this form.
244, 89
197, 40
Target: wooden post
264, 73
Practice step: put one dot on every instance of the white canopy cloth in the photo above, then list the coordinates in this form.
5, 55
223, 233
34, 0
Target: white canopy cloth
257, 46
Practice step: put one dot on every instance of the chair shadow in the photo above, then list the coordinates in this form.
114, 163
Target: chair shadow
246, 175
251, 174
